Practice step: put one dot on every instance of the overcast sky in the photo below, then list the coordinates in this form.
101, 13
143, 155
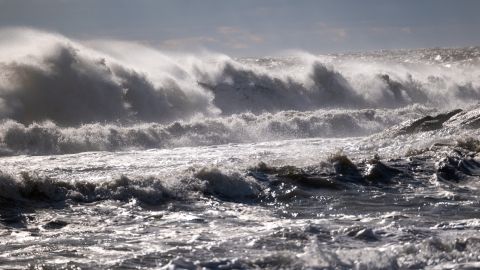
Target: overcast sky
256, 27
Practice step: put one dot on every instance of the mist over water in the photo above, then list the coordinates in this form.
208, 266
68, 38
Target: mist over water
71, 84
49, 83
118, 155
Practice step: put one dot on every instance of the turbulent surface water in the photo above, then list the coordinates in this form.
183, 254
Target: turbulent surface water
118, 156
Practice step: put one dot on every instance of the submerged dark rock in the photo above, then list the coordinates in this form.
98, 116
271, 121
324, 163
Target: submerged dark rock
55, 225
367, 235
334, 174
457, 166
361, 233
345, 170
337, 173
296, 176
378, 172
447, 171
428, 123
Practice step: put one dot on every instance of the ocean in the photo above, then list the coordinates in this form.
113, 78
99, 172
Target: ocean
115, 155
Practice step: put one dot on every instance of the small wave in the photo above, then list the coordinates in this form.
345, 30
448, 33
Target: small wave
258, 183
233, 186
27, 187
261, 183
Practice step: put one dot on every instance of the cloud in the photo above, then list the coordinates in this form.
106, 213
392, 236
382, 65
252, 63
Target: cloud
406, 30
188, 42
237, 38
226, 36
333, 33
386, 30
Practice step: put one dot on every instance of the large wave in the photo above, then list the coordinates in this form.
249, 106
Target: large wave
70, 84
49, 77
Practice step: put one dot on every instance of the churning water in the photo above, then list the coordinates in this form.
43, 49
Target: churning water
115, 155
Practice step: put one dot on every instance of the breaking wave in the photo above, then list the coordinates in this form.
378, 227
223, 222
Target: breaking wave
49, 77
49, 138
25, 188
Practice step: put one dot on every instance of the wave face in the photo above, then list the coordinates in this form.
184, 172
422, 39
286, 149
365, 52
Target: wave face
73, 83
70, 84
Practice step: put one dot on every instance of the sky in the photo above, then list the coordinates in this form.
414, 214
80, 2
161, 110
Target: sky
256, 27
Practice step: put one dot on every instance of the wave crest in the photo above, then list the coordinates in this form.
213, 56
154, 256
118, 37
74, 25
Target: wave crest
70, 83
